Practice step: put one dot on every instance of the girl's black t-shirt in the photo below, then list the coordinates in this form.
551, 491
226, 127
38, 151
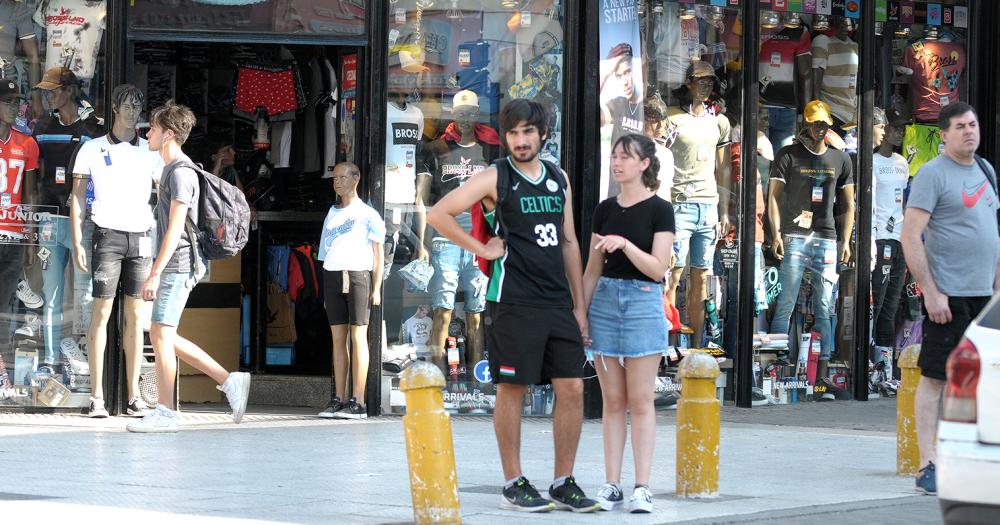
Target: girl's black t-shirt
637, 223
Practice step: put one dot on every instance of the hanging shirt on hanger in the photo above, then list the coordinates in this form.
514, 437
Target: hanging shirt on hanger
403, 129
330, 121
73, 34
937, 68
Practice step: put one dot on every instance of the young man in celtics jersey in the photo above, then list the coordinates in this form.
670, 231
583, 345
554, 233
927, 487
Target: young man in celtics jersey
535, 316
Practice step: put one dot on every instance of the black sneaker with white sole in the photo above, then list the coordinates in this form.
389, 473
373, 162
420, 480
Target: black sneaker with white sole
336, 405
569, 496
137, 408
352, 410
523, 497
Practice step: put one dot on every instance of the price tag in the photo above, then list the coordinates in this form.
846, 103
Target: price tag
145, 246
817, 194
397, 216
464, 57
775, 59
945, 100
804, 220
60, 175
46, 233
852, 82
5, 200
400, 15
525, 18
43, 253
887, 252
899, 195
346, 285
704, 153
830, 256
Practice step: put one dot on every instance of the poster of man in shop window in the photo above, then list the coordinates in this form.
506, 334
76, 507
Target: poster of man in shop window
621, 81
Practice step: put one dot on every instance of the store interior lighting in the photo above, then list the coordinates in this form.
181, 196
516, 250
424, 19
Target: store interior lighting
657, 7
510, 4
716, 14
932, 33
769, 20
793, 20
688, 13
902, 31
640, 8
822, 23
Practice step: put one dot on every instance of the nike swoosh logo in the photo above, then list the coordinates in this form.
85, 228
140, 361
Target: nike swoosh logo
516, 184
970, 199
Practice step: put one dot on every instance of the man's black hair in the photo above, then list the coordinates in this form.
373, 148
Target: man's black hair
529, 112
951, 111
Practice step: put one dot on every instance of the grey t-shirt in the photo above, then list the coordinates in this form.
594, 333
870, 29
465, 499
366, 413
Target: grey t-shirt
961, 239
180, 185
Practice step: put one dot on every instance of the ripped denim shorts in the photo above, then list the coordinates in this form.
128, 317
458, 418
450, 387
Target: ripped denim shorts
626, 318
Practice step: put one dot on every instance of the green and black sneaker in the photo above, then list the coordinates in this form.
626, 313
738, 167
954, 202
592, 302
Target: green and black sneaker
569, 496
523, 497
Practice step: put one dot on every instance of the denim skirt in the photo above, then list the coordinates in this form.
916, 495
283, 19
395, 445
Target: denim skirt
626, 318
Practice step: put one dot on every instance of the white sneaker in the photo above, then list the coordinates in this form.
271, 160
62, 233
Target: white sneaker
610, 496
32, 326
237, 390
160, 420
77, 359
27, 296
97, 408
641, 501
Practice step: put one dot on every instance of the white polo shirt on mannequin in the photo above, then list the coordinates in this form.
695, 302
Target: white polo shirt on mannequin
123, 175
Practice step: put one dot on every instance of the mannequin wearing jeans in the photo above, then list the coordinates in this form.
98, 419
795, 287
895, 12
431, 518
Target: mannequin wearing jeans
806, 181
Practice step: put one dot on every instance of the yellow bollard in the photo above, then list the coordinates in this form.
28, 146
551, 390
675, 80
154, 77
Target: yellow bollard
429, 446
907, 448
698, 428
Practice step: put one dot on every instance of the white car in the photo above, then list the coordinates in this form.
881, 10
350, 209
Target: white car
968, 467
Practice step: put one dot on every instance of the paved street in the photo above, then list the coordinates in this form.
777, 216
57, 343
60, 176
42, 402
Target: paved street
790, 464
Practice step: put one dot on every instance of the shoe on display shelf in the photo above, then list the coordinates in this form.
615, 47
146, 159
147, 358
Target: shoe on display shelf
610, 496
335, 406
569, 496
73, 354
352, 410
523, 497
32, 327
160, 420
641, 501
237, 390
137, 408
28, 296
97, 409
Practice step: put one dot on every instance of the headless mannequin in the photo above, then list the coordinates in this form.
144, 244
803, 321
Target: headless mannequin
126, 117
844, 27
443, 316
697, 290
803, 74
399, 100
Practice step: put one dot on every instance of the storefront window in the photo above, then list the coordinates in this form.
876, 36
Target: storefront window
51, 91
922, 55
451, 65
807, 145
289, 17
671, 70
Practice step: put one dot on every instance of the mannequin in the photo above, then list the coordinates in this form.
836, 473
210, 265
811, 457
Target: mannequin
891, 177
404, 129
807, 180
58, 136
18, 29
20, 156
465, 149
835, 74
122, 169
786, 84
701, 190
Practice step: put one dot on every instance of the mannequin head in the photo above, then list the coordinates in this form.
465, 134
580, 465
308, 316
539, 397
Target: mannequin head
59, 87
700, 80
346, 177
10, 101
878, 126
465, 111
127, 103
633, 159
655, 113
817, 122
844, 27
524, 126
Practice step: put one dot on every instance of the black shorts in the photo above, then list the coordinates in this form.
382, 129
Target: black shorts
532, 345
355, 305
119, 255
941, 339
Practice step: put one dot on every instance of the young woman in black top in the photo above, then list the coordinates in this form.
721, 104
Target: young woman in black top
632, 241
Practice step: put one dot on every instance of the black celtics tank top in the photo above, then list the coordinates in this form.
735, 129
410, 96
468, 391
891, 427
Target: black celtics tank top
531, 271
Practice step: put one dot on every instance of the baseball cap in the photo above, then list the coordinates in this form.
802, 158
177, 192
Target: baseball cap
465, 98
895, 117
56, 77
8, 89
817, 110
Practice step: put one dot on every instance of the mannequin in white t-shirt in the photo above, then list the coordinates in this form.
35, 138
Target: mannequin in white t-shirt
404, 131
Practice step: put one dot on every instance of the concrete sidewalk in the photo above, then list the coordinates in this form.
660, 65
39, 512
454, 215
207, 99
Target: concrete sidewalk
785, 463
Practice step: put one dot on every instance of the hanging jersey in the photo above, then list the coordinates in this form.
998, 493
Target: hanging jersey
18, 155
531, 271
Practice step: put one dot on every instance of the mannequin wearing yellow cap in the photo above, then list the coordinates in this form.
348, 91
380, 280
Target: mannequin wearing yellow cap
445, 164
808, 179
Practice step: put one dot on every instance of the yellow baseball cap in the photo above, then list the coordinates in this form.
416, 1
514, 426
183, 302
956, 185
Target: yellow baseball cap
817, 110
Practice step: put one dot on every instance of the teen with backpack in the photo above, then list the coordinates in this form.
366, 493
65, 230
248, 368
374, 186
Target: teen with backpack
179, 265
